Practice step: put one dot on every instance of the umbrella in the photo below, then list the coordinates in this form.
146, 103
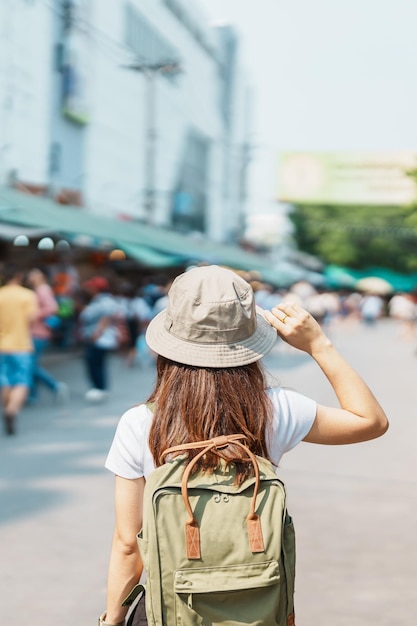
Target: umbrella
375, 285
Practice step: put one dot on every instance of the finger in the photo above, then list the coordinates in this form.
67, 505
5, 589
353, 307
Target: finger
293, 311
289, 308
280, 314
281, 328
273, 319
296, 308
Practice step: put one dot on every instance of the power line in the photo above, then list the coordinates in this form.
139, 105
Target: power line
99, 35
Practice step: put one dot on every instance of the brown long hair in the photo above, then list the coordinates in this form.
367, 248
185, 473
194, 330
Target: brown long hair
198, 403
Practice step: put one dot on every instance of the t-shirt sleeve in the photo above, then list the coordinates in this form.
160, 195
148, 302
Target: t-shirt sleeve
294, 415
125, 457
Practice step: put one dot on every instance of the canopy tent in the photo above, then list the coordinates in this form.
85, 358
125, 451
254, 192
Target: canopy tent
148, 256
375, 285
9, 232
150, 245
343, 277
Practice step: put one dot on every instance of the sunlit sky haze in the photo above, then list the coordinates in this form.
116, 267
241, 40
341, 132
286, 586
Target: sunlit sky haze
327, 75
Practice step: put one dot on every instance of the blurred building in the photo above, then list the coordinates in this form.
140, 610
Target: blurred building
131, 108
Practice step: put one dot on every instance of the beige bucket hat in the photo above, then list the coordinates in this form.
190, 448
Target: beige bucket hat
211, 321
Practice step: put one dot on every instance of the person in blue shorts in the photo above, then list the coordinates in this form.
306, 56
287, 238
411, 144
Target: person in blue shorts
18, 309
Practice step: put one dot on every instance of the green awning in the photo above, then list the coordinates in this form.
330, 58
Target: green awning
11, 231
35, 211
148, 256
340, 277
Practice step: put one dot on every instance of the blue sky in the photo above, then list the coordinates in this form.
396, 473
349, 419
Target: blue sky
327, 75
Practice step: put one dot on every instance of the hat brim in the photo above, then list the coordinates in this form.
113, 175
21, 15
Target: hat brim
210, 354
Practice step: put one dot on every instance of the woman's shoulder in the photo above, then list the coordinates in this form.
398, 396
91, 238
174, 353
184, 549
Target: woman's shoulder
293, 417
137, 418
279, 397
283, 393
128, 456
289, 401
279, 394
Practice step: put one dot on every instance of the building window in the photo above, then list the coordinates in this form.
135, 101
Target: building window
189, 202
145, 41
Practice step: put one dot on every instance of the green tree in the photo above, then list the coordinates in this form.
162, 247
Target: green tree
359, 236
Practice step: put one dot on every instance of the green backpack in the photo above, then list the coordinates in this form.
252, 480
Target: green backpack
216, 553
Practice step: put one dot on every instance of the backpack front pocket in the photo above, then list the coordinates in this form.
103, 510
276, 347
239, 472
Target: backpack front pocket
247, 593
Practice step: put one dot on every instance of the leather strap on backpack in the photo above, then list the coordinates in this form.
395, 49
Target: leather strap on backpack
192, 531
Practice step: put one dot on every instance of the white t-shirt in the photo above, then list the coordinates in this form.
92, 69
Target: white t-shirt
130, 457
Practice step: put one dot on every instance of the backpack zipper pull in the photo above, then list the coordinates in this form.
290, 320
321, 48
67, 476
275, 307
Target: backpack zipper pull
190, 601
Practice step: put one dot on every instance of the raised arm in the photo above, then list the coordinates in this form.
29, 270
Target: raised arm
360, 417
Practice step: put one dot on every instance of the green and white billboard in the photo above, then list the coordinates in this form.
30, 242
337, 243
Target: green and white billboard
350, 178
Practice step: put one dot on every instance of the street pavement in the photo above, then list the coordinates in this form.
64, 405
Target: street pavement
354, 507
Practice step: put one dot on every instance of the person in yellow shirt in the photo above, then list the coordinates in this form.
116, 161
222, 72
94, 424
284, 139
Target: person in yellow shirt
18, 309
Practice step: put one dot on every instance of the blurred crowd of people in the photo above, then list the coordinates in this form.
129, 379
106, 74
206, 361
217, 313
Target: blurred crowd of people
40, 309
329, 306
44, 308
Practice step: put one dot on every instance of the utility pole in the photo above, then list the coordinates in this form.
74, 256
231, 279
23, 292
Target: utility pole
150, 72
151, 145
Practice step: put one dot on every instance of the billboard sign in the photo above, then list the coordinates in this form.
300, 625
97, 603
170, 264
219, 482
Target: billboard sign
350, 178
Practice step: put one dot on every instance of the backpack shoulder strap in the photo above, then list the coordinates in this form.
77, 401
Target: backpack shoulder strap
216, 443
192, 531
